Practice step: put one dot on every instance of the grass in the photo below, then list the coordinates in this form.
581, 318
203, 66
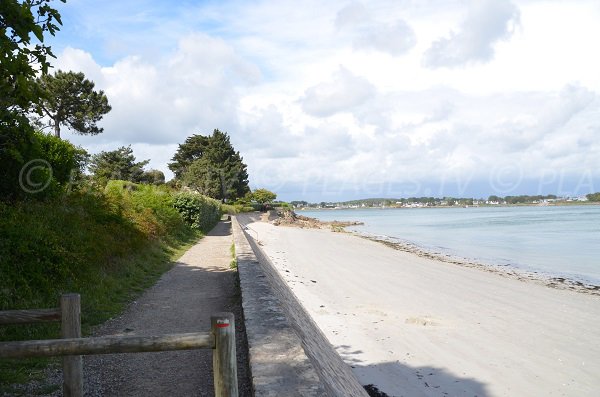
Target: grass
108, 247
233, 263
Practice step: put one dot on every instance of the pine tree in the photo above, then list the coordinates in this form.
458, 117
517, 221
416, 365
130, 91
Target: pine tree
117, 164
189, 151
216, 169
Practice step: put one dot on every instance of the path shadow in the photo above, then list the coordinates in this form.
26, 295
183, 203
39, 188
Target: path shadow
223, 228
397, 379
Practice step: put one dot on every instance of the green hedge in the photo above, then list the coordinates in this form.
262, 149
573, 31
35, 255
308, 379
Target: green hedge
200, 212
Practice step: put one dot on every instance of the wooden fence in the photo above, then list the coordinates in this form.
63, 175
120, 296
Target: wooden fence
72, 346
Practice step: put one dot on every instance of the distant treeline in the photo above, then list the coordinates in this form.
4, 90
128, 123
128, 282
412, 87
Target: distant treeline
524, 199
436, 201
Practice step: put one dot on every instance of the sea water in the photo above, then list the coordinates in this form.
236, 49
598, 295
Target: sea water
555, 241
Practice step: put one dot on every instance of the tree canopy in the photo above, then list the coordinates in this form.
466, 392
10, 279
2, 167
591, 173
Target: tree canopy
153, 177
211, 166
263, 196
192, 149
23, 54
69, 99
21, 58
117, 164
593, 196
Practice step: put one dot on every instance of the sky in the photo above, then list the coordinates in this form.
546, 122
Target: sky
339, 100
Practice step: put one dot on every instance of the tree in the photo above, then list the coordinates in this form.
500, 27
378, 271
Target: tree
263, 196
21, 58
205, 178
191, 150
117, 164
593, 196
153, 177
211, 166
69, 99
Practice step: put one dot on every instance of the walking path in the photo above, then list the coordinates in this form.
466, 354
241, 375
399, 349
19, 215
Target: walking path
201, 283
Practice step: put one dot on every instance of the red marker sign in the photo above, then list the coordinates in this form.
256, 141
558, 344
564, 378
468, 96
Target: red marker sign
222, 323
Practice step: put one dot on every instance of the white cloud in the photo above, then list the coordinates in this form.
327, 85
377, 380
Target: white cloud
191, 90
342, 93
351, 15
331, 99
369, 33
486, 23
394, 39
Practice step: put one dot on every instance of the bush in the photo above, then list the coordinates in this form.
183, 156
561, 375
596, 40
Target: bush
200, 212
67, 160
150, 208
230, 209
37, 165
18, 145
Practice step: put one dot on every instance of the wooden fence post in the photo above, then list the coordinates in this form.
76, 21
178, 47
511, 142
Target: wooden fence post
70, 327
224, 356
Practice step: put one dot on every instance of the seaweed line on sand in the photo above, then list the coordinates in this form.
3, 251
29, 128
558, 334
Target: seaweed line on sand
562, 283
289, 218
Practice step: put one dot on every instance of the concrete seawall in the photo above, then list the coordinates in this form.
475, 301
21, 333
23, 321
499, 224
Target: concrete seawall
289, 355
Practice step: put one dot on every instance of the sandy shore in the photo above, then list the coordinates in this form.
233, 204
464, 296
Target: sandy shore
415, 326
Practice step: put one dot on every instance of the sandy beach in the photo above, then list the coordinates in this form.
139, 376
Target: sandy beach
415, 326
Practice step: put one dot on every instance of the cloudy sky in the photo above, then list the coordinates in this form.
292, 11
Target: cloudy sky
334, 100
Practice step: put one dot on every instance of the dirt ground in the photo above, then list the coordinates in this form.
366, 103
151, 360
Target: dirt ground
183, 299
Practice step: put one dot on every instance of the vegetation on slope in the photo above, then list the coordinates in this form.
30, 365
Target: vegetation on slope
108, 246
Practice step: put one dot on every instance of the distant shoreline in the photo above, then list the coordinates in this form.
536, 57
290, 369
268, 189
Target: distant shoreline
559, 204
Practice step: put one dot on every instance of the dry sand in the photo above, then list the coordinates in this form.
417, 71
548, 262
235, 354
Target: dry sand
414, 326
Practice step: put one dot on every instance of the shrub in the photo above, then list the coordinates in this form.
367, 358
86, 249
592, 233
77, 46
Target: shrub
67, 160
200, 212
151, 208
37, 165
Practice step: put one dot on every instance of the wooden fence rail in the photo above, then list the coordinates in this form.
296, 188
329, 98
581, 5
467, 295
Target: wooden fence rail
29, 316
221, 339
107, 345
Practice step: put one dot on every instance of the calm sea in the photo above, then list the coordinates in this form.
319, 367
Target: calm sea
556, 241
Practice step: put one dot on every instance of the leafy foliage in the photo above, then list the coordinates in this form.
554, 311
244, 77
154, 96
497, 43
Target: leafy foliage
39, 166
23, 26
212, 167
202, 213
67, 161
21, 23
191, 150
153, 177
262, 196
593, 196
17, 147
117, 164
104, 245
69, 99
204, 177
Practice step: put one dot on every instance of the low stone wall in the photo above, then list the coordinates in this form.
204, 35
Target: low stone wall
289, 355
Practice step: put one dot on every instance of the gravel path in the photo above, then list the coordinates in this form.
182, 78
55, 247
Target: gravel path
200, 283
